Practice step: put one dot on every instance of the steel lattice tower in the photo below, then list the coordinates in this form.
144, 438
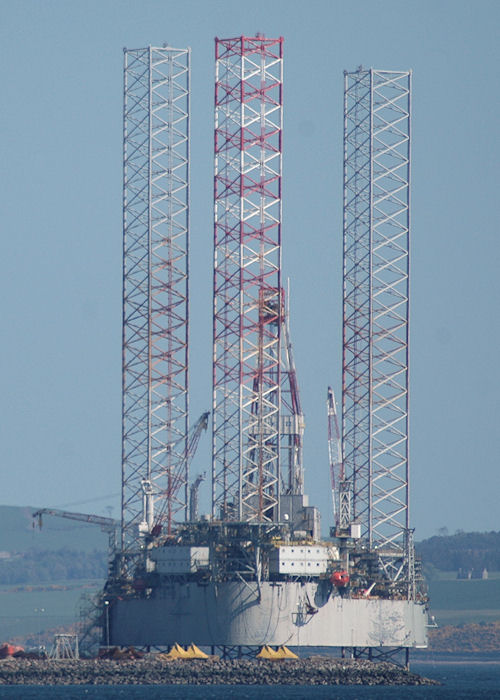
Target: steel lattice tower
376, 299
155, 290
248, 303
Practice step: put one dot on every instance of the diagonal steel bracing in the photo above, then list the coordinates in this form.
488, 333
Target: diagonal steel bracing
155, 288
248, 303
376, 297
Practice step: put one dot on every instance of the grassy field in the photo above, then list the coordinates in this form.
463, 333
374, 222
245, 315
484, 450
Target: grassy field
455, 602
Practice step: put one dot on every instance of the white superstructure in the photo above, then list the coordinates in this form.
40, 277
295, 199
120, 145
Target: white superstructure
302, 560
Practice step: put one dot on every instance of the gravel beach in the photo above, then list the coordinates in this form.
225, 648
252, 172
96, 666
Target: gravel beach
152, 671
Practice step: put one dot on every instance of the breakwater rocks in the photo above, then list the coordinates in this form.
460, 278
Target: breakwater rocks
151, 671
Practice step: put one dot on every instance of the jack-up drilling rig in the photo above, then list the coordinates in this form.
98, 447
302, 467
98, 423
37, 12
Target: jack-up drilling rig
256, 570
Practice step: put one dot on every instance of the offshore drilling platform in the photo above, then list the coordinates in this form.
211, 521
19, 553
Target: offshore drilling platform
256, 570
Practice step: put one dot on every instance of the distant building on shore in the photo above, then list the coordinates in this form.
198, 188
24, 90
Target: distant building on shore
464, 574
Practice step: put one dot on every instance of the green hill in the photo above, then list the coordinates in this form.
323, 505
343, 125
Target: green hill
41, 566
19, 532
459, 601
463, 550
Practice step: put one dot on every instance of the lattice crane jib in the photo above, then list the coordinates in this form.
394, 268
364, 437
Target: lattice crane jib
292, 418
376, 298
247, 278
155, 287
334, 453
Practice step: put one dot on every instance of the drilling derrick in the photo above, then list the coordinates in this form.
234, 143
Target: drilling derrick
376, 296
248, 309
155, 291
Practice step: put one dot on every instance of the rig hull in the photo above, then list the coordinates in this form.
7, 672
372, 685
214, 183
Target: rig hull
247, 614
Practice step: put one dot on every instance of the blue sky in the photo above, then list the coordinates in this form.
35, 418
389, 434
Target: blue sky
61, 131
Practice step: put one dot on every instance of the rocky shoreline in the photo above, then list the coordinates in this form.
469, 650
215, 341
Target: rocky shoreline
151, 671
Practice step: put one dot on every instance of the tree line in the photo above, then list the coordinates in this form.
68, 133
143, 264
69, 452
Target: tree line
463, 550
37, 566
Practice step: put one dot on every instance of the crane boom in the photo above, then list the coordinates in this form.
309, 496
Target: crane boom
103, 522
196, 431
164, 513
334, 451
107, 525
292, 418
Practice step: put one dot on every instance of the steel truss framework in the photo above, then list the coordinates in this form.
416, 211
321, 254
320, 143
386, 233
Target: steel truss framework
248, 304
399, 656
376, 297
155, 289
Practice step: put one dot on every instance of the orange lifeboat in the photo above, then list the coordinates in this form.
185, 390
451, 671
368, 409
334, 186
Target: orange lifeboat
340, 579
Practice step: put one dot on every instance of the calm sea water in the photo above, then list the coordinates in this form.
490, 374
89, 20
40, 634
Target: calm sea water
461, 681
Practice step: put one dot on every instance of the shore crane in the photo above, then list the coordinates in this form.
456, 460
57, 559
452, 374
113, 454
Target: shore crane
108, 525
